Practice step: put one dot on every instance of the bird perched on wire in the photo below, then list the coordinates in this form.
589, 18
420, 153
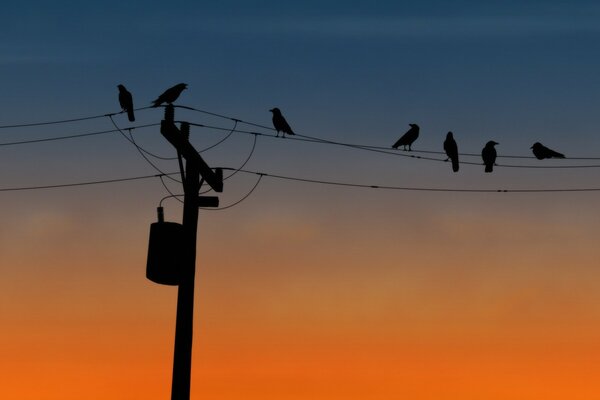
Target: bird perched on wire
126, 102
170, 95
451, 149
408, 138
489, 155
280, 123
540, 152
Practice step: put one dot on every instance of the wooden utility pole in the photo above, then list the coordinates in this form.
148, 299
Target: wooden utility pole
196, 171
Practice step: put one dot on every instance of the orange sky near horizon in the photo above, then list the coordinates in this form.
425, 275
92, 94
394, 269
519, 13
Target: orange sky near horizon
291, 306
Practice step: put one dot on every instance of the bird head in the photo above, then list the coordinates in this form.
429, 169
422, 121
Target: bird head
121, 87
491, 143
536, 145
414, 125
449, 135
275, 110
182, 86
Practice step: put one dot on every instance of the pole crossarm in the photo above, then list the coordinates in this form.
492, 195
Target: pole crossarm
170, 131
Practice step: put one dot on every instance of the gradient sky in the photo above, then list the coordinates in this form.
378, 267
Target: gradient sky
305, 291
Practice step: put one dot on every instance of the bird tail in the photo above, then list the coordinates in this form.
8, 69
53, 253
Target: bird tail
397, 144
455, 164
156, 103
130, 115
489, 167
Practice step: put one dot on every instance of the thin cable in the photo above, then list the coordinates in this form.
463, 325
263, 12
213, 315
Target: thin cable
238, 169
72, 136
141, 152
240, 200
140, 148
220, 141
87, 183
419, 189
170, 197
380, 147
384, 150
64, 121
175, 196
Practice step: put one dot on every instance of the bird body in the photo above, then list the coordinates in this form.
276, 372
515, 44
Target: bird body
280, 123
408, 138
170, 95
451, 149
126, 102
489, 155
540, 152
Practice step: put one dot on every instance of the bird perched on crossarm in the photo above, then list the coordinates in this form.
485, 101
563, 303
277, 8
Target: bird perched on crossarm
489, 155
126, 102
451, 149
170, 95
540, 152
408, 138
280, 123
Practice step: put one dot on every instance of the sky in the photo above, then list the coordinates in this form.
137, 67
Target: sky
304, 290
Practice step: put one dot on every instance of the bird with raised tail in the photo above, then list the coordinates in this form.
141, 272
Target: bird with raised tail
489, 155
540, 152
408, 138
280, 124
451, 149
170, 95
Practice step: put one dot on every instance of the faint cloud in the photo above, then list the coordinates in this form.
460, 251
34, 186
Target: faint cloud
405, 27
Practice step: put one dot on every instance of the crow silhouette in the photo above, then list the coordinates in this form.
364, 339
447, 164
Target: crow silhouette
540, 152
170, 95
126, 102
280, 123
451, 150
408, 138
489, 155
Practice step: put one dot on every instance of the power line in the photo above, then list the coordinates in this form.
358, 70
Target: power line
410, 188
306, 180
400, 153
85, 183
366, 146
77, 135
141, 151
65, 121
260, 176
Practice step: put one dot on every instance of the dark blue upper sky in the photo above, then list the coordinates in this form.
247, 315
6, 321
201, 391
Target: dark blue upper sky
513, 71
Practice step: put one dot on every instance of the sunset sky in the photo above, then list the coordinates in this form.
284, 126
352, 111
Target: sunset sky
305, 291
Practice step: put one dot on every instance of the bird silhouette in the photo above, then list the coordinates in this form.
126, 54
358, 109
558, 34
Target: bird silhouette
280, 123
170, 95
540, 152
408, 138
126, 102
489, 155
451, 150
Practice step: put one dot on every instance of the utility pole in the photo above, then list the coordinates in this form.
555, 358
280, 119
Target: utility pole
196, 172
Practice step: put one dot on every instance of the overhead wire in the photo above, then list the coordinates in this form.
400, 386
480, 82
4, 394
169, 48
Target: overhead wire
64, 121
238, 201
77, 135
84, 183
139, 149
386, 149
412, 188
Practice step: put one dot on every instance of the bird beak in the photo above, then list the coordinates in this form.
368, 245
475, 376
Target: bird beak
271, 110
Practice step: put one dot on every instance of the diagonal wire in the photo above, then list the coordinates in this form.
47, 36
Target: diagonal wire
141, 152
240, 200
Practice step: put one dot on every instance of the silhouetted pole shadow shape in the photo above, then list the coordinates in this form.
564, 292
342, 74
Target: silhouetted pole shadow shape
196, 172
